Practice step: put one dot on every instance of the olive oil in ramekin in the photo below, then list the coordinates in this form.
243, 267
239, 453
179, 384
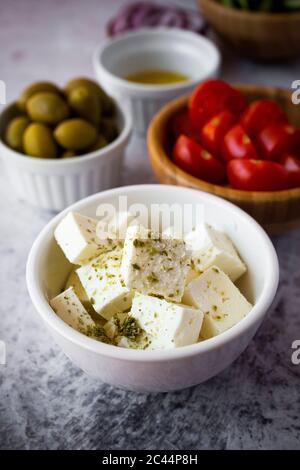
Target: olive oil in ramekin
156, 77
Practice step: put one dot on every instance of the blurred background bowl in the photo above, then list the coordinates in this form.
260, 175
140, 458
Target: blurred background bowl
168, 49
276, 211
255, 34
55, 183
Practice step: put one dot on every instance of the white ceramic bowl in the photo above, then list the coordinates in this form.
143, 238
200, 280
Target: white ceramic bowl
160, 48
157, 371
56, 183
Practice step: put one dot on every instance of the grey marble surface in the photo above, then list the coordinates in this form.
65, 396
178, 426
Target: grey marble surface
45, 401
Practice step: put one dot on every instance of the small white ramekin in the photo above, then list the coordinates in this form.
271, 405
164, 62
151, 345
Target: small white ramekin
158, 371
54, 184
160, 48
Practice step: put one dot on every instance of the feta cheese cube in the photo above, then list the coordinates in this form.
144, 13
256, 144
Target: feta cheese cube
74, 281
192, 274
76, 235
101, 279
152, 264
69, 308
124, 342
167, 325
210, 247
220, 300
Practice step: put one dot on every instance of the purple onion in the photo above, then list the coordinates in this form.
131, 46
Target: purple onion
145, 14
196, 23
173, 17
141, 13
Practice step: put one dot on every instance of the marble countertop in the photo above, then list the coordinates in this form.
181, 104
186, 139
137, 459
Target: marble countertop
45, 401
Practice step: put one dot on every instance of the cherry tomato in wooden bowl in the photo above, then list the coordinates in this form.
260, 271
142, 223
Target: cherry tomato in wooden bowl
275, 140
213, 132
295, 144
292, 166
257, 175
260, 114
237, 144
194, 159
181, 124
212, 97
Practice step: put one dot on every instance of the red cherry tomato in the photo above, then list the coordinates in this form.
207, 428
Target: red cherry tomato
257, 175
213, 132
194, 159
181, 124
275, 140
292, 166
210, 98
295, 144
237, 144
261, 114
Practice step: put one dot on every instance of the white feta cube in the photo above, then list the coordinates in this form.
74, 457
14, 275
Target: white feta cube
77, 237
74, 281
210, 247
220, 300
192, 274
69, 308
124, 342
167, 325
152, 264
102, 281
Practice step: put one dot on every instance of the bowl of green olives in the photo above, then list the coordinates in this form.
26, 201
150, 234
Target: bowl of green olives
59, 145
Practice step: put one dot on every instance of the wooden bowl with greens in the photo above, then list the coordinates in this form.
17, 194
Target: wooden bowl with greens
261, 29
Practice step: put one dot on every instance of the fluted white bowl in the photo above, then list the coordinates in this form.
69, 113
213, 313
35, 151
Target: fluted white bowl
54, 184
157, 371
160, 48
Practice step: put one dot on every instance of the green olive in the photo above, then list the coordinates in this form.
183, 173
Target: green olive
99, 144
38, 141
14, 132
36, 87
75, 134
109, 129
109, 107
86, 82
85, 103
47, 107
68, 154
106, 103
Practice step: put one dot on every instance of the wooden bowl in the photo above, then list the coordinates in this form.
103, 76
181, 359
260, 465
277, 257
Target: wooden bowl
255, 34
276, 211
